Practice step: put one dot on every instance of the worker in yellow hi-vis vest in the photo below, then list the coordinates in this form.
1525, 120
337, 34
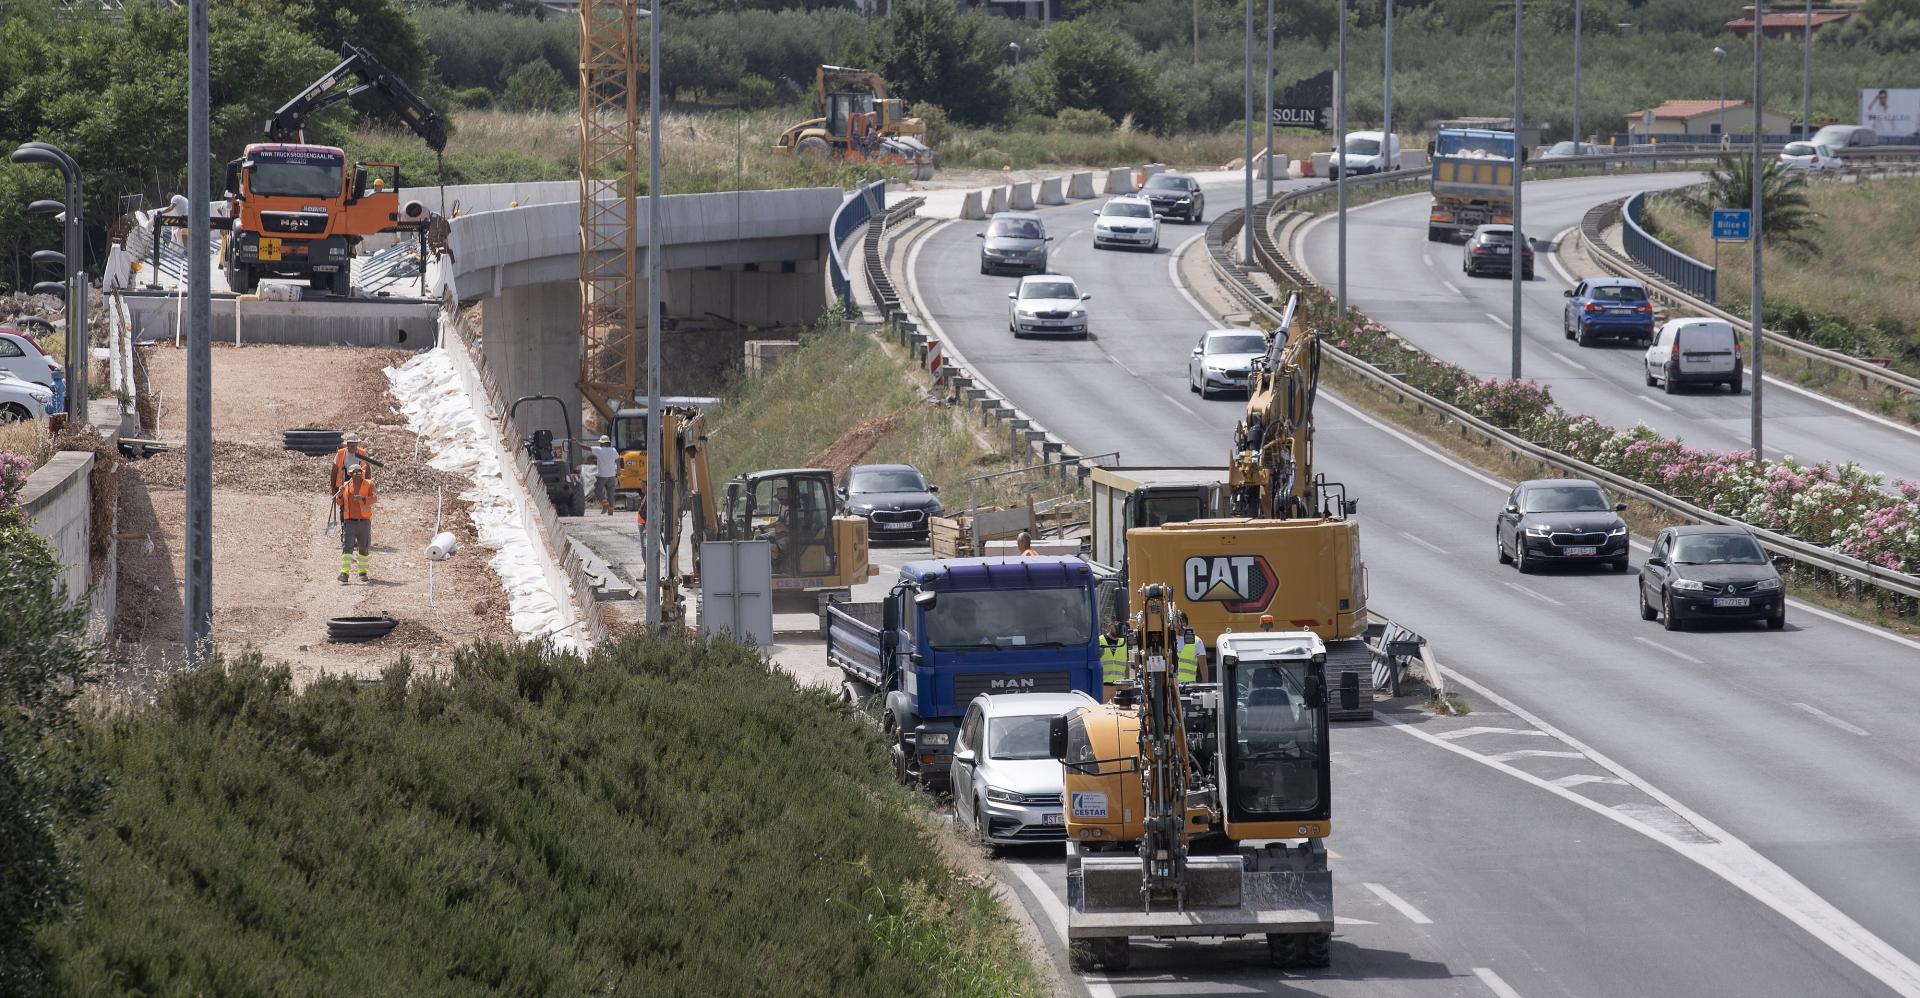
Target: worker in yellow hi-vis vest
1113, 659
1190, 654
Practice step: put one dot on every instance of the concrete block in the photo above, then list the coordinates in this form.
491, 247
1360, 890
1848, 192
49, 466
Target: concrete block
1120, 180
1020, 196
1053, 190
973, 205
1080, 184
996, 200
1413, 159
1151, 170
1319, 163
763, 355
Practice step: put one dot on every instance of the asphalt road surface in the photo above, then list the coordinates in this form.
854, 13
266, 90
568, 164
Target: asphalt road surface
1416, 288
1793, 749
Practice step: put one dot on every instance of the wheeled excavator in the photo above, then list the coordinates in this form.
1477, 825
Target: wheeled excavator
1200, 809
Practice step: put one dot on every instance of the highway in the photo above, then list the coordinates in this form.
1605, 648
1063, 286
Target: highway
1416, 289
1795, 744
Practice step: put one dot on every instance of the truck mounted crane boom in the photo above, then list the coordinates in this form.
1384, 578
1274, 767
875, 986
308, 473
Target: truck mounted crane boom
289, 124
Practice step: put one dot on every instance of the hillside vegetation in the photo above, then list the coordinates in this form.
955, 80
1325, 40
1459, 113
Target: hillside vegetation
662, 817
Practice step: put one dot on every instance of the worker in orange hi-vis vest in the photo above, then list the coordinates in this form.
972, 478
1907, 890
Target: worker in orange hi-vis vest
355, 499
350, 455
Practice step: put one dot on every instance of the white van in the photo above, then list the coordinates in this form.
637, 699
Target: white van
1692, 352
1365, 152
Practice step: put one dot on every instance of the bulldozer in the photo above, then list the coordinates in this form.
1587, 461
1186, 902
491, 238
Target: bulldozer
861, 125
819, 554
1169, 786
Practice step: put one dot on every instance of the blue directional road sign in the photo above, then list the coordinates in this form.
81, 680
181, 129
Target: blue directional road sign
1732, 224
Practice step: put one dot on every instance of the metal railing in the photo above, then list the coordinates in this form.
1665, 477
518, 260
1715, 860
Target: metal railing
858, 207
1696, 278
1870, 375
1275, 263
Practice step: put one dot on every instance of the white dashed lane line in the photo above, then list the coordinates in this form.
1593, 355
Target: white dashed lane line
1830, 719
1399, 904
1494, 984
1675, 652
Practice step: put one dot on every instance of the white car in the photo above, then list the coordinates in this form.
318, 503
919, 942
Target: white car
21, 400
21, 357
1006, 786
1047, 304
1126, 221
1809, 156
1694, 352
1222, 359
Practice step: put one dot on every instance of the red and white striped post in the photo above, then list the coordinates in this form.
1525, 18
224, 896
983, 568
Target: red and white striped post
936, 364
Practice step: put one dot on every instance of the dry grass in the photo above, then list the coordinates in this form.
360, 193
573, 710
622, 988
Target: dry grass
28, 440
991, 149
1866, 272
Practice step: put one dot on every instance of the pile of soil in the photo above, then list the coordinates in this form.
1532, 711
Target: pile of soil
854, 444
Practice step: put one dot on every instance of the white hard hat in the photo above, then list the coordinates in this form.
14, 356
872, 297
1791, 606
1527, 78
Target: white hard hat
605, 439
350, 438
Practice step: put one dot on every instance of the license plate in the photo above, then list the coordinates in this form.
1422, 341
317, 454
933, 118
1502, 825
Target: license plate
1580, 552
896, 526
1051, 818
1621, 311
1501, 251
1729, 601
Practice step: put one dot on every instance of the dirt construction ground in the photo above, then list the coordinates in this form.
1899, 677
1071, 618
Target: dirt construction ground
275, 563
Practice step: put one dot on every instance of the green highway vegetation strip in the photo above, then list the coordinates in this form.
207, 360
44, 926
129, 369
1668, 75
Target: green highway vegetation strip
660, 817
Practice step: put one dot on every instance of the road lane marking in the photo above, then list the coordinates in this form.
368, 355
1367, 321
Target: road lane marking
1650, 400
1837, 404
1450, 287
1569, 361
1504, 324
1581, 779
1427, 257
1554, 256
1830, 719
1177, 405
1435, 548
1482, 729
1500, 988
1399, 904
1517, 587
1675, 652
1535, 753
1723, 855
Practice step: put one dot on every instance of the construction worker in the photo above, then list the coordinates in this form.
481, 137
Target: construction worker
1025, 543
350, 455
1189, 654
606, 472
1113, 659
1266, 622
356, 499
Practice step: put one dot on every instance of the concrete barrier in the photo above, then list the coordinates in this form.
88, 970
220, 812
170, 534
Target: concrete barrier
1319, 165
58, 503
1151, 170
996, 200
1053, 190
1020, 196
1080, 184
971, 206
1120, 180
1413, 159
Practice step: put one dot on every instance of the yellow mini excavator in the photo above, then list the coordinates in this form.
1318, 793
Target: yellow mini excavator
1199, 809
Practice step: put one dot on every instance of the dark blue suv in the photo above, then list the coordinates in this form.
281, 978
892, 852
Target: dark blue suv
1608, 306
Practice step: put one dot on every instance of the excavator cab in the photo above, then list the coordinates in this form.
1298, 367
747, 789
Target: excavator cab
793, 509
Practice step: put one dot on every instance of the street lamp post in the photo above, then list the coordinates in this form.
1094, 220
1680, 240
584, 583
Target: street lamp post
1339, 157
1577, 136
1014, 47
73, 247
656, 564
1246, 163
1756, 378
1267, 108
1720, 56
1391, 161
1517, 260
1806, 75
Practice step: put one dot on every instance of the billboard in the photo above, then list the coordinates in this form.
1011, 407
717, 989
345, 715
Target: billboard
1306, 104
1891, 113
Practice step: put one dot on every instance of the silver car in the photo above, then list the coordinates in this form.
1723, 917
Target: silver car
1006, 786
1047, 304
1222, 359
1014, 241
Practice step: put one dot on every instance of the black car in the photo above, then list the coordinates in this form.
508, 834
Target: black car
1490, 250
1175, 195
1708, 572
895, 498
1560, 520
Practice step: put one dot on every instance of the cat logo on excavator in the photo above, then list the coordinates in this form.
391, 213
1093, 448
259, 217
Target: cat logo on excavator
1239, 583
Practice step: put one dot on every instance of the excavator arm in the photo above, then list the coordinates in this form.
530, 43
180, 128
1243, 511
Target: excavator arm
1163, 755
1271, 475
830, 78
289, 123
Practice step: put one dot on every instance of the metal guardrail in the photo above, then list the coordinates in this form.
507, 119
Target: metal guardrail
1267, 252
856, 210
1599, 217
1694, 277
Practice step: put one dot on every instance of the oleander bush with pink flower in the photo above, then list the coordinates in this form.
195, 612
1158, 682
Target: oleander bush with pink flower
1843, 507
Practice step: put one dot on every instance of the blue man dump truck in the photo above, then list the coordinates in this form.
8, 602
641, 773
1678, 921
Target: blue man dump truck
952, 629
1472, 180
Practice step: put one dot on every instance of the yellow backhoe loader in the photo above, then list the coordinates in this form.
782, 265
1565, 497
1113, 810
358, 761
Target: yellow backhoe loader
861, 125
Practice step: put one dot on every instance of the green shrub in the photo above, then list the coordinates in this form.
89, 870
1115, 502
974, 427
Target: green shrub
662, 817
536, 86
754, 92
474, 98
1082, 121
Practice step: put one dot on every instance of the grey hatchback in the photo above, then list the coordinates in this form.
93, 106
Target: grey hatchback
1711, 572
1015, 241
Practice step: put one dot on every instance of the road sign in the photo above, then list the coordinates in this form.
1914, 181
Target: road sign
1734, 225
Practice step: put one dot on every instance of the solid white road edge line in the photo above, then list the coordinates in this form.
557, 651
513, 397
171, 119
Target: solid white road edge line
1096, 984
1494, 984
1729, 858
1399, 904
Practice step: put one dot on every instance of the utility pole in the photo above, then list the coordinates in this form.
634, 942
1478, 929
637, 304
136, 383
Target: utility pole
1720, 56
1518, 247
197, 629
1755, 372
1246, 164
655, 564
1388, 159
1578, 136
1339, 154
1267, 108
1806, 76
1196, 32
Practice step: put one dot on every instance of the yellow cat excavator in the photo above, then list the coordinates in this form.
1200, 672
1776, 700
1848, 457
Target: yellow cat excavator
1168, 787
